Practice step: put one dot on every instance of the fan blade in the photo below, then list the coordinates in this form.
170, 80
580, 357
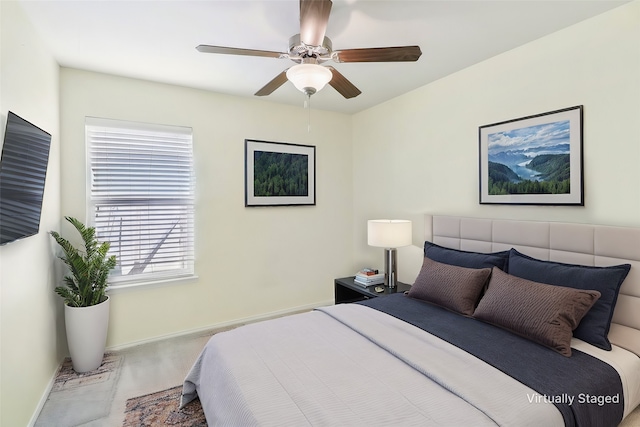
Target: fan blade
274, 84
314, 16
342, 85
237, 51
378, 54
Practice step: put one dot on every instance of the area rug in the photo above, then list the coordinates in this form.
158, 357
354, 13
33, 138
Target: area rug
161, 409
68, 378
77, 399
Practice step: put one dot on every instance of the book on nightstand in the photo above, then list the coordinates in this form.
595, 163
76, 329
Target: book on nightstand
368, 277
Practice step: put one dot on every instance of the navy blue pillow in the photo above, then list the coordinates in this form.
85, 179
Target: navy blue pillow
465, 258
595, 325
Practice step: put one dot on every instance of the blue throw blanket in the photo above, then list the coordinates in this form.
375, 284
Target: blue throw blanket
587, 391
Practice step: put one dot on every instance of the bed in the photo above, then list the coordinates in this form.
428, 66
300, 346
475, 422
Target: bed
511, 323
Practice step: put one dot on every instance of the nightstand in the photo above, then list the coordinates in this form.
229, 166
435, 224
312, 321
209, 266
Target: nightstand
348, 291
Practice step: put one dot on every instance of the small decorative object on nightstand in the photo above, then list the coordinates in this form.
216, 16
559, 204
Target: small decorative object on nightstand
346, 290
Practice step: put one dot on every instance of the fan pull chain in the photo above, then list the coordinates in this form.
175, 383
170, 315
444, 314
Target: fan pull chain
307, 104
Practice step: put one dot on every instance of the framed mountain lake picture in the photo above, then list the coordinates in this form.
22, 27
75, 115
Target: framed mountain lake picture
534, 160
279, 174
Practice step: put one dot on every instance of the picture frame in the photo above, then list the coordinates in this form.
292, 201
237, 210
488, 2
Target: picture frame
279, 174
533, 160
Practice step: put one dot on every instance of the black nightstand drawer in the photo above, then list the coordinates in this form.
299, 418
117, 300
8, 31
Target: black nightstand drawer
348, 291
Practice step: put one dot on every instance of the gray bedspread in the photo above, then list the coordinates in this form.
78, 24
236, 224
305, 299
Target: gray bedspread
565, 380
351, 365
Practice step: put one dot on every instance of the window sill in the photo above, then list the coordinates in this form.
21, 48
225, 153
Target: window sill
151, 284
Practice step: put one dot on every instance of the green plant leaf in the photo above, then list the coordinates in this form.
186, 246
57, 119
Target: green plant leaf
87, 283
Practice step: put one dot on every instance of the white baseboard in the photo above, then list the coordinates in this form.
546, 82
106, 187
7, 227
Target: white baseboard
44, 397
222, 325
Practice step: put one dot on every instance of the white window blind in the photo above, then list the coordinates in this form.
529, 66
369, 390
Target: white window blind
142, 197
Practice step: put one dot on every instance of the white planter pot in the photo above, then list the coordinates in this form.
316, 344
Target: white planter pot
87, 334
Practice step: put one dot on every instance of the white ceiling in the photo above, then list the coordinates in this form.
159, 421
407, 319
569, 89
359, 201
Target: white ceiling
156, 40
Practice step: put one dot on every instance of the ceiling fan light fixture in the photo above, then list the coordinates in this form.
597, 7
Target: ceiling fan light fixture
309, 78
310, 48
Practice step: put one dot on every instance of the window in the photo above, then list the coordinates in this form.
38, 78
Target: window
142, 197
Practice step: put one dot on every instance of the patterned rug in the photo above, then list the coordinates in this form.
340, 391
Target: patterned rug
68, 378
161, 409
77, 399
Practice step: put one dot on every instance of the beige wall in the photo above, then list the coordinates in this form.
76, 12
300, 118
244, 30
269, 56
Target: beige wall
415, 154
250, 261
424, 145
30, 313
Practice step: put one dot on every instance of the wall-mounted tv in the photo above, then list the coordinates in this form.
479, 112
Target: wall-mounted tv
23, 167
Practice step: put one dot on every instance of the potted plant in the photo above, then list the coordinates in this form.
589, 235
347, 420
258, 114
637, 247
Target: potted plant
86, 310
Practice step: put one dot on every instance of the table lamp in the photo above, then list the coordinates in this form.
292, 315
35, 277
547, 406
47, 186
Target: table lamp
389, 234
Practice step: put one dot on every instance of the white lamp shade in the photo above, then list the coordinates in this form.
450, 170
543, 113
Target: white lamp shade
389, 233
305, 76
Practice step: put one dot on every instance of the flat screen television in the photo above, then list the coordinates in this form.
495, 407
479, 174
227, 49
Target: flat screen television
23, 167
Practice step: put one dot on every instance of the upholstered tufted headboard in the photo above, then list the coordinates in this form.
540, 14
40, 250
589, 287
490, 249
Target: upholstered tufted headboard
586, 244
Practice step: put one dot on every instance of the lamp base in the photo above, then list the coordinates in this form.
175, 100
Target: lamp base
390, 268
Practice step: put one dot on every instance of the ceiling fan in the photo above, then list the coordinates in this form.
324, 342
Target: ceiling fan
310, 48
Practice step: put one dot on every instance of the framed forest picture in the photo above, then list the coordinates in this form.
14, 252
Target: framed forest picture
279, 174
534, 160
